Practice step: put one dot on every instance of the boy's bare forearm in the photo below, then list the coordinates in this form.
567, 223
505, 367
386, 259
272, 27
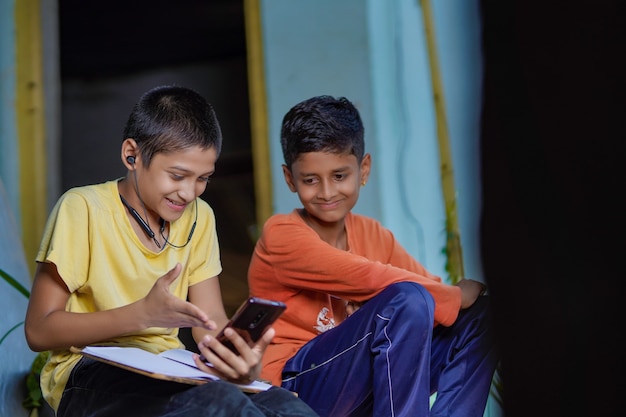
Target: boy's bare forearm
48, 326
62, 329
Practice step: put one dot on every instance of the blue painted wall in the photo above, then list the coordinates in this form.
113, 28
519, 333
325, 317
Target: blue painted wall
17, 358
9, 168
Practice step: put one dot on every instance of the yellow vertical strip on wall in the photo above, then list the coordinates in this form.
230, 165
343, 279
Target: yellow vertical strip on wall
30, 124
453, 237
258, 113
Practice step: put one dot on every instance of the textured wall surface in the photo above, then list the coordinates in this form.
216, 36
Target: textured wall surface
16, 356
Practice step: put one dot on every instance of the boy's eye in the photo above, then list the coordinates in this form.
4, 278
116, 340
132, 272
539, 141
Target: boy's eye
204, 179
339, 177
177, 177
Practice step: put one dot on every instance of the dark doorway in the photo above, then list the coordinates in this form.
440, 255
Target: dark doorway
111, 52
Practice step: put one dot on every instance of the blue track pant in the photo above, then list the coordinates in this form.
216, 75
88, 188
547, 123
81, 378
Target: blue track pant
386, 360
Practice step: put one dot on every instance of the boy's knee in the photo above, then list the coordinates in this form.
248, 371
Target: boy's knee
411, 299
215, 392
412, 291
289, 402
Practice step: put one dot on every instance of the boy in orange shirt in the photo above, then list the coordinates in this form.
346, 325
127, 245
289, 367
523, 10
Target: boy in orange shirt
409, 334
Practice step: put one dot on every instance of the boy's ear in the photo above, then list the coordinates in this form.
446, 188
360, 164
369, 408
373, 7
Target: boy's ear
289, 178
129, 149
366, 165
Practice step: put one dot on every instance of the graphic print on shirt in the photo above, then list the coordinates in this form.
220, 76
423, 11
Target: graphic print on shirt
323, 321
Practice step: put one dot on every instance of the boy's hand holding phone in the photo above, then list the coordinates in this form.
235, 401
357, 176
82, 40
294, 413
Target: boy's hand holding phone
243, 366
235, 354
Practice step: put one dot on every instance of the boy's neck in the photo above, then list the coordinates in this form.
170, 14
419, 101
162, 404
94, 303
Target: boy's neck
332, 233
149, 230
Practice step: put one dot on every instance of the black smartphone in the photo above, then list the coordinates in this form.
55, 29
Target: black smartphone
251, 319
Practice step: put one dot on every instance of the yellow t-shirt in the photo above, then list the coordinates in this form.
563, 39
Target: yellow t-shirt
89, 238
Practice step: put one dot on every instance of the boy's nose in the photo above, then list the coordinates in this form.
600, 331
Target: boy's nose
326, 190
187, 192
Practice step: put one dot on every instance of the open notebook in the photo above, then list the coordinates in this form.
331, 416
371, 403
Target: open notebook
173, 365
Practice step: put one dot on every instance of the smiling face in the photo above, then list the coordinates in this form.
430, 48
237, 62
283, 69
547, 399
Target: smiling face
171, 182
175, 180
327, 185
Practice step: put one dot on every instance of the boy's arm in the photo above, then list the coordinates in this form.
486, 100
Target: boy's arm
299, 259
207, 296
49, 326
242, 368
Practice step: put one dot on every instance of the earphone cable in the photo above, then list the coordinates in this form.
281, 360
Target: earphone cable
145, 212
145, 225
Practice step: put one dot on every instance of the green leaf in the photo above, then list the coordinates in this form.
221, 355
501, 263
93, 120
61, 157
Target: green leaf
13, 282
34, 398
4, 336
496, 386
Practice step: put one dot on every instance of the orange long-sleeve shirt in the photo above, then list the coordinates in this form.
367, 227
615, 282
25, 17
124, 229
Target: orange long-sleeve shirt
291, 263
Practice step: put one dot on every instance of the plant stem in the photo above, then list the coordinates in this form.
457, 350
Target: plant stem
453, 236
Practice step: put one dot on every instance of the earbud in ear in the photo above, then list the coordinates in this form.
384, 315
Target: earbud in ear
131, 160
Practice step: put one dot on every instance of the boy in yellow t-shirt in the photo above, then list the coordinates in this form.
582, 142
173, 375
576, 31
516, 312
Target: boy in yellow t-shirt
118, 262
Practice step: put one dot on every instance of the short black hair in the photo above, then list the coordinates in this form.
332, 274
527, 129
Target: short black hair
322, 124
171, 118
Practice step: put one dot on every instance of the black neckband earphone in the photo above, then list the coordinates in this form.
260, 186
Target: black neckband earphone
144, 223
